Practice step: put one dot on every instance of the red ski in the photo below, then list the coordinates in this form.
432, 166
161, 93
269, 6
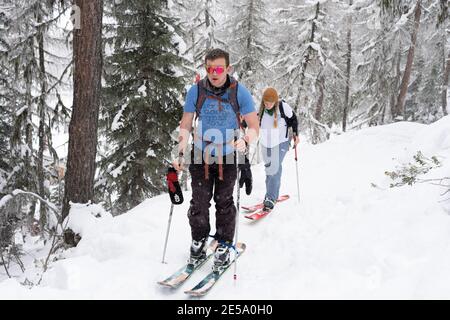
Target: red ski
258, 214
261, 205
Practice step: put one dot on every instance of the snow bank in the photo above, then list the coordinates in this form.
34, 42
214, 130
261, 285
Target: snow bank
84, 217
434, 139
349, 237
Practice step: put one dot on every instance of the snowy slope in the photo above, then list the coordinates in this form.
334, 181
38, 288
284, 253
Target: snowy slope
345, 239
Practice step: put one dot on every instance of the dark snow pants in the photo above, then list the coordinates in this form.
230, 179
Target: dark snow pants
202, 192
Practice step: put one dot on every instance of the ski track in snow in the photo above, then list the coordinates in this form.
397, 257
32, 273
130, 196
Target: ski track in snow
345, 239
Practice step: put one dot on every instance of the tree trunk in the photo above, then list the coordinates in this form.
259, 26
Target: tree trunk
306, 58
247, 66
319, 109
349, 65
208, 25
29, 128
443, 16
30, 183
87, 52
392, 88
400, 105
194, 50
41, 130
445, 83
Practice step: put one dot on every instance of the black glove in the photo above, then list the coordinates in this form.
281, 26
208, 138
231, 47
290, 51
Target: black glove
246, 177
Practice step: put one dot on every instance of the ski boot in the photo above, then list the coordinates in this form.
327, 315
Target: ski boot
222, 256
198, 251
268, 204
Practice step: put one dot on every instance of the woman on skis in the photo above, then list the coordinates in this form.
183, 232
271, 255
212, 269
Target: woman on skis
275, 117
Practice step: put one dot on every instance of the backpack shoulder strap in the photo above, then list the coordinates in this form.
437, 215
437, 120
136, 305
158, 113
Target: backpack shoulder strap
233, 98
280, 105
201, 97
233, 95
283, 115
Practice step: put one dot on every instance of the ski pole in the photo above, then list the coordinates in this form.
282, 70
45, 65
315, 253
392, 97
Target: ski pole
237, 211
172, 181
296, 167
167, 233
254, 154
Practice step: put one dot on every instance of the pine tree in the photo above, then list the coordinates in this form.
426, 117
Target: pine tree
408, 10
399, 109
431, 95
423, 103
381, 39
88, 63
421, 54
348, 74
247, 32
5, 98
5, 129
34, 84
309, 66
5, 156
443, 25
198, 26
141, 101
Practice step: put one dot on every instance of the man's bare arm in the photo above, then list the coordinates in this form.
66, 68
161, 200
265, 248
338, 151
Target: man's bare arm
252, 132
183, 137
252, 121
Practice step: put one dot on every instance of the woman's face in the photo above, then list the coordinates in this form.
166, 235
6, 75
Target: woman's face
269, 105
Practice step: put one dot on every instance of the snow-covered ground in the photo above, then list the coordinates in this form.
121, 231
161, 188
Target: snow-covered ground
350, 237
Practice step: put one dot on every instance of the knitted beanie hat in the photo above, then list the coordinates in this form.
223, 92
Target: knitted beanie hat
270, 95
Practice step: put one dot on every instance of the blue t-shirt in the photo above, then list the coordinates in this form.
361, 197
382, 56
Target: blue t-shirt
218, 124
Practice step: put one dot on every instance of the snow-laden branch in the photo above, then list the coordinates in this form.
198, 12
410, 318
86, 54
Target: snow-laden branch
315, 121
48, 203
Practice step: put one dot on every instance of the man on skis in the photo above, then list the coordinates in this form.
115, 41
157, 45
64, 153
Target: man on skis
217, 102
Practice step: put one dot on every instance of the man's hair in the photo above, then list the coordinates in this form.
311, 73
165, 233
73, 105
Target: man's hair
214, 54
